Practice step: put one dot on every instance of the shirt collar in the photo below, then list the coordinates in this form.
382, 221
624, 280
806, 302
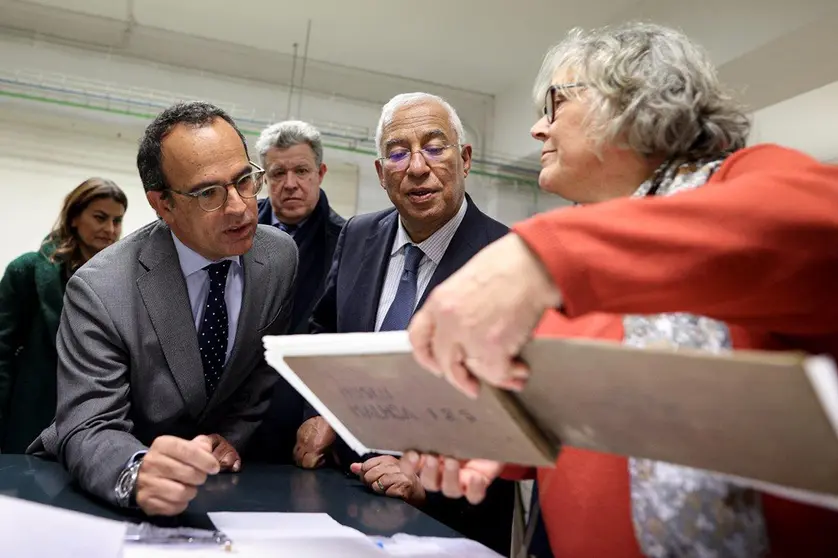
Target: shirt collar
435, 245
192, 262
275, 221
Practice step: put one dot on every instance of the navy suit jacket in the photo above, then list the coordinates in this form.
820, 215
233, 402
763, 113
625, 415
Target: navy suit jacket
353, 286
350, 304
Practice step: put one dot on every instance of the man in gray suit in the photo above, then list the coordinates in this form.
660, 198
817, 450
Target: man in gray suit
161, 373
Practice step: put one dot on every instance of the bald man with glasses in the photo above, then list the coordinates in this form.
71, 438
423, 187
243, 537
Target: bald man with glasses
384, 266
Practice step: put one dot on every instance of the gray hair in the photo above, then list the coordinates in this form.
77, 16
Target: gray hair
650, 85
408, 99
289, 133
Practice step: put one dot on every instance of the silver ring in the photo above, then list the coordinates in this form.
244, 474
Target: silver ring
380, 486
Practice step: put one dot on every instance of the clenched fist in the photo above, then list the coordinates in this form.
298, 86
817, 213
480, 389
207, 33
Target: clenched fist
314, 437
171, 473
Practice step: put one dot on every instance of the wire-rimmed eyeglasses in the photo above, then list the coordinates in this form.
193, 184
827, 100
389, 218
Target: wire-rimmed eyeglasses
555, 94
213, 198
399, 158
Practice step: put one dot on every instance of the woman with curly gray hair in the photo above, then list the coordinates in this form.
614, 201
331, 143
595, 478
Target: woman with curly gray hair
720, 246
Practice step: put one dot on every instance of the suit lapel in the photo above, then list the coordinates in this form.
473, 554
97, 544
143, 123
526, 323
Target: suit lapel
164, 294
255, 276
371, 272
469, 239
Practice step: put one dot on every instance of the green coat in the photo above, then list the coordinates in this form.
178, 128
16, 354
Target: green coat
31, 298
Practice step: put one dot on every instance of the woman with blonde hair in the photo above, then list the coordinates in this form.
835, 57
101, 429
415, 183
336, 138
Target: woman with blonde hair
684, 237
31, 299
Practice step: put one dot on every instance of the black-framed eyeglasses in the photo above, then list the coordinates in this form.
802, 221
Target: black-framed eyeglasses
399, 158
555, 94
213, 198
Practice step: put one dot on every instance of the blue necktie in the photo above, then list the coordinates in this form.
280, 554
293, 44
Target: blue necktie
212, 336
401, 310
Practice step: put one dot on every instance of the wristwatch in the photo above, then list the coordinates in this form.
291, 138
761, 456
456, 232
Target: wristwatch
126, 483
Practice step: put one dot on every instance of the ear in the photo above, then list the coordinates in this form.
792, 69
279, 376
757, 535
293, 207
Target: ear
380, 170
466, 155
162, 205
323, 170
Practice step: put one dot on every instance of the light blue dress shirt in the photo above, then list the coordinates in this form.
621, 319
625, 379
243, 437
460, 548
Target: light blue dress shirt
198, 284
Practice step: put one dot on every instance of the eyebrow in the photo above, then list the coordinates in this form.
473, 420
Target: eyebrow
434, 134
426, 137
207, 183
286, 167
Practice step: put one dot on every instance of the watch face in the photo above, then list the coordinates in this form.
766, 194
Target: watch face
125, 484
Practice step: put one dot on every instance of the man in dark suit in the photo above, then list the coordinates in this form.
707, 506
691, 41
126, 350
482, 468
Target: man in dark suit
385, 265
161, 373
291, 153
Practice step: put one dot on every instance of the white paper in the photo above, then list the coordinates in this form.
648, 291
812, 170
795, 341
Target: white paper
410, 546
274, 525
313, 535
823, 376
383, 342
30, 530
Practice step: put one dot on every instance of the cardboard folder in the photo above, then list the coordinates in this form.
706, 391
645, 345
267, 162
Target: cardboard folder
769, 417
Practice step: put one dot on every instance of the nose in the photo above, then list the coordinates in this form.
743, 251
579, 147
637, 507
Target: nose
235, 204
539, 129
290, 180
110, 228
417, 165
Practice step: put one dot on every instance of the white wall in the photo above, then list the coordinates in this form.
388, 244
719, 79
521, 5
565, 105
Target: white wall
801, 123
42, 159
45, 151
514, 116
76, 142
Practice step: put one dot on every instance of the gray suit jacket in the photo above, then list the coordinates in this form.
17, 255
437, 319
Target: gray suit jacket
129, 368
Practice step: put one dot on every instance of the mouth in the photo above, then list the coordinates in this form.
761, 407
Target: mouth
421, 195
547, 152
239, 231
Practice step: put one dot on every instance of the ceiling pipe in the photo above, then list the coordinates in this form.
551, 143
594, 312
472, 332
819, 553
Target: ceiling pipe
303, 73
291, 86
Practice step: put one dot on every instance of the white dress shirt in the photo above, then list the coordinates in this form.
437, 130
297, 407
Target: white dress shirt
433, 247
198, 284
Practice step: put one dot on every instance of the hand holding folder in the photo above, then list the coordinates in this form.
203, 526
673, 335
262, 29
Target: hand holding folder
768, 417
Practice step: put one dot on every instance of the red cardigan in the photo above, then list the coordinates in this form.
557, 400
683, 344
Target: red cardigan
757, 247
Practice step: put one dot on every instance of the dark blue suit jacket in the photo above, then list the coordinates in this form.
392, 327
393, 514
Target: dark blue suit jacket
350, 304
353, 286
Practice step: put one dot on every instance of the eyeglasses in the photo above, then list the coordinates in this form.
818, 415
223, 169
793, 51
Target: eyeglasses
399, 158
213, 198
554, 94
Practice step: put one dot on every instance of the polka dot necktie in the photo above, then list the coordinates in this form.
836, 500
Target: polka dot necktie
212, 336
